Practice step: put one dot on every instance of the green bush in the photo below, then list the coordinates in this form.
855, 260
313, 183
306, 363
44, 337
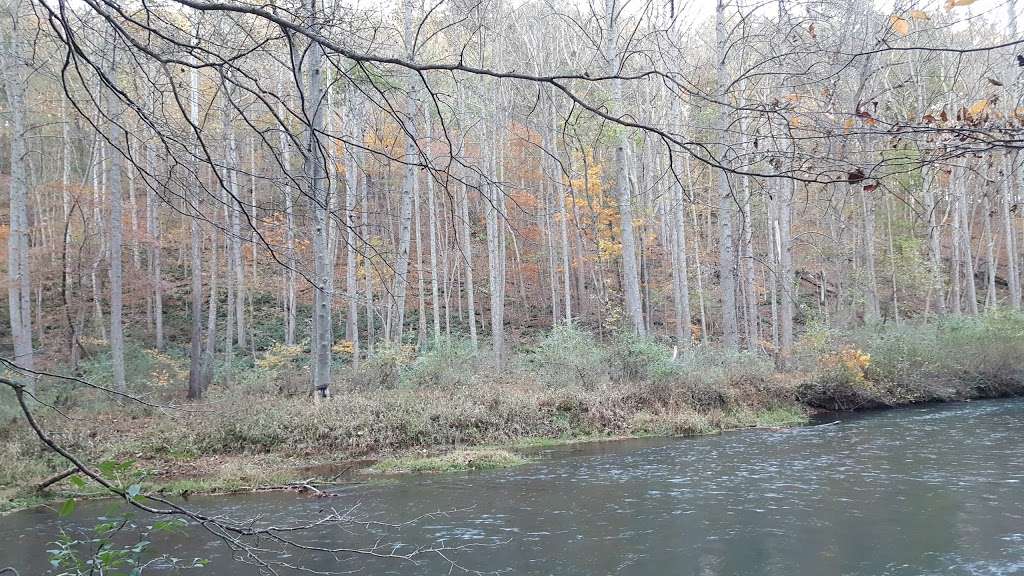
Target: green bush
448, 363
383, 370
568, 356
964, 357
637, 359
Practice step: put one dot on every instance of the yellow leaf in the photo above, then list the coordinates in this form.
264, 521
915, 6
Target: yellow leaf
950, 4
848, 124
794, 122
919, 15
978, 107
900, 25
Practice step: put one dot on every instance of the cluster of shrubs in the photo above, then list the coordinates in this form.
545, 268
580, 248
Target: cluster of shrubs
950, 359
568, 384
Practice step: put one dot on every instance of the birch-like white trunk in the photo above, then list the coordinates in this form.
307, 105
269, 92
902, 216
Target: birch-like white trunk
409, 184
1009, 232
726, 201
623, 192
315, 177
285, 143
196, 372
351, 255
116, 223
432, 235
15, 76
156, 267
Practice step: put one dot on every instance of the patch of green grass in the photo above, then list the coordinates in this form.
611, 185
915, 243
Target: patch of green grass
186, 486
534, 442
782, 416
17, 500
459, 460
13, 502
779, 416
683, 423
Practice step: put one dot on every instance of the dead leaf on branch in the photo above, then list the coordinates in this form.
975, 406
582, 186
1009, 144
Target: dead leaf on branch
900, 25
978, 107
950, 4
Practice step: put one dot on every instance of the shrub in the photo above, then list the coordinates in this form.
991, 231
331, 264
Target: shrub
448, 363
956, 358
687, 423
568, 356
708, 378
383, 370
637, 359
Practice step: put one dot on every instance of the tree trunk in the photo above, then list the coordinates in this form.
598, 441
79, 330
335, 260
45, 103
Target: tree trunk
623, 193
494, 215
153, 225
285, 143
196, 370
351, 255
680, 264
1005, 203
117, 137
316, 179
726, 201
935, 249
421, 297
467, 254
15, 76
432, 233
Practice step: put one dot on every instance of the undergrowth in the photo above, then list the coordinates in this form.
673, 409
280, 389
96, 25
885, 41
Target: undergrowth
568, 385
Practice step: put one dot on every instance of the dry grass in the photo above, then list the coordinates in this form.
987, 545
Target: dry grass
437, 411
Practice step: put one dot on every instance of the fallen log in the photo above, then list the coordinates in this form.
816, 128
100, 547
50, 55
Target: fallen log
55, 478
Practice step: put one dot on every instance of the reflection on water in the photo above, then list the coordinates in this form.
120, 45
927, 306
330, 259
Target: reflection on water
935, 490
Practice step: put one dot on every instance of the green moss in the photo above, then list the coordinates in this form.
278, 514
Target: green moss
14, 502
782, 416
459, 460
775, 417
550, 442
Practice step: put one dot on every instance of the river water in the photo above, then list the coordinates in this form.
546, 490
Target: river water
932, 490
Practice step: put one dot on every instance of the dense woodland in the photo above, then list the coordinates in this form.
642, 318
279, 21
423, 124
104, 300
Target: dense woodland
468, 228
223, 179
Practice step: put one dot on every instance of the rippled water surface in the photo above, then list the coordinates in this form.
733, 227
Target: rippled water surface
935, 490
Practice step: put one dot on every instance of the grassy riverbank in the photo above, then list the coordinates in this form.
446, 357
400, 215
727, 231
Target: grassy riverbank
449, 409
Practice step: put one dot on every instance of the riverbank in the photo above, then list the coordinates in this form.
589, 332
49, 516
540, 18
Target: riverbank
309, 472
450, 409
312, 473
591, 498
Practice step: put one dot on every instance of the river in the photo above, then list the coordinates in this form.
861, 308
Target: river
931, 490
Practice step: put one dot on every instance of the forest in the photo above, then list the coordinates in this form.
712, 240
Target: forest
252, 244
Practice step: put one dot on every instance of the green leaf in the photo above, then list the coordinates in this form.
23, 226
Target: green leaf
173, 526
77, 481
67, 508
133, 491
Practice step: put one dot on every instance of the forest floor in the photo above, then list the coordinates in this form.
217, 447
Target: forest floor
450, 409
